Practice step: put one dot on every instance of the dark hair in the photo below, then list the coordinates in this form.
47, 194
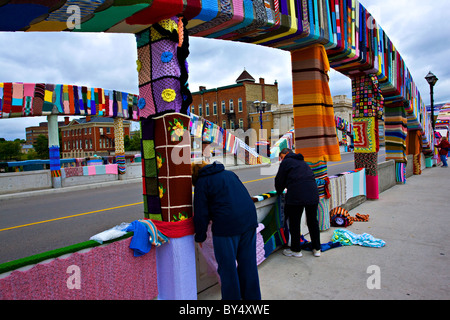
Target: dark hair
286, 151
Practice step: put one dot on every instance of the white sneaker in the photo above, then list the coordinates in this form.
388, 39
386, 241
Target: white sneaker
290, 253
316, 253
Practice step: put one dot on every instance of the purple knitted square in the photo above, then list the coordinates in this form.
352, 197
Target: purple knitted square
164, 59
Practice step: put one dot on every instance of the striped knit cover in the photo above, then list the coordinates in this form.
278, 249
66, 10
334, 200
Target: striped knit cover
396, 132
314, 122
315, 129
368, 105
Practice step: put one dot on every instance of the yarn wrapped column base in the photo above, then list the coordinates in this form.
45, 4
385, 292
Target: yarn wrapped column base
176, 269
372, 188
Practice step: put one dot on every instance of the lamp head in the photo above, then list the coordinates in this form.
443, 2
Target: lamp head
431, 79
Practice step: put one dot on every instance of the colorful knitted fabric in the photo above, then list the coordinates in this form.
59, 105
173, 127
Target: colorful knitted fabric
114, 274
395, 131
119, 145
323, 214
274, 230
400, 172
341, 218
348, 238
55, 163
367, 98
320, 173
39, 99
369, 161
167, 179
365, 135
162, 67
315, 129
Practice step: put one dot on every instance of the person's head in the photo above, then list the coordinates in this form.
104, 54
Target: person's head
444, 139
195, 170
284, 152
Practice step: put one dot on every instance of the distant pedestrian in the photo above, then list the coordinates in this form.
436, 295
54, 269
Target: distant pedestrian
220, 197
302, 194
443, 151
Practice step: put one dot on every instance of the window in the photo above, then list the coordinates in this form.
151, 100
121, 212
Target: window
193, 109
232, 124
214, 108
231, 106
90, 141
86, 144
108, 130
240, 105
241, 123
207, 109
224, 124
85, 130
200, 111
223, 107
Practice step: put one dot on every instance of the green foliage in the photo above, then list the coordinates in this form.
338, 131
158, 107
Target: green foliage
41, 147
10, 150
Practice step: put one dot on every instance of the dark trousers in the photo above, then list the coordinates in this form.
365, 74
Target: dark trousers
241, 282
294, 214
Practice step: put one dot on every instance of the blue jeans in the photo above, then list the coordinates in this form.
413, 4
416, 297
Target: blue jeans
444, 160
241, 282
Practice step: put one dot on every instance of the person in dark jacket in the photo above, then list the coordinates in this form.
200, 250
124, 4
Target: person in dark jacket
220, 197
443, 151
295, 175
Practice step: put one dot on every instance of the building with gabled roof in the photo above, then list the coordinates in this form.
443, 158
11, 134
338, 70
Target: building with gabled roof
89, 136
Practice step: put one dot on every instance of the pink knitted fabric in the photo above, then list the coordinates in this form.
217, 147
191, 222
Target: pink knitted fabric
106, 273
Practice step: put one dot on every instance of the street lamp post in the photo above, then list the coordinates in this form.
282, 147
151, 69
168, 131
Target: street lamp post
432, 79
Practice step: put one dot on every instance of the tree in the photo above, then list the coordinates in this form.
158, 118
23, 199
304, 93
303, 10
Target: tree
133, 144
41, 147
10, 150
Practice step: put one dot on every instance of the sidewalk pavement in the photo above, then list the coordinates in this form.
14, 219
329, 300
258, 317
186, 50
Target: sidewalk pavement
413, 219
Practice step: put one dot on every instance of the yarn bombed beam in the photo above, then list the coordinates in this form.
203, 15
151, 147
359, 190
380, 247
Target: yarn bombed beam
40, 99
355, 43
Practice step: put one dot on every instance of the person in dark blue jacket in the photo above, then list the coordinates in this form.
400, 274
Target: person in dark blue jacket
220, 197
295, 175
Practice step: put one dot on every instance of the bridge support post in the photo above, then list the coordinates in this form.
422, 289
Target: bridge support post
53, 146
314, 124
396, 132
367, 110
119, 146
166, 150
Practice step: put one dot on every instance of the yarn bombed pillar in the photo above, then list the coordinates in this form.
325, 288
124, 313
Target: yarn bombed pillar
119, 145
314, 122
414, 148
367, 110
396, 132
53, 146
166, 150
315, 128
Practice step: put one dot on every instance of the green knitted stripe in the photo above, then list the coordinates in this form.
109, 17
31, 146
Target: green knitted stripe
19, 263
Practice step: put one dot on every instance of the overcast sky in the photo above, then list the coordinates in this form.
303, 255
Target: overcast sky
419, 29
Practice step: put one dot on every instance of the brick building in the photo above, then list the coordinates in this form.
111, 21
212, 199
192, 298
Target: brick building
89, 136
229, 106
31, 133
